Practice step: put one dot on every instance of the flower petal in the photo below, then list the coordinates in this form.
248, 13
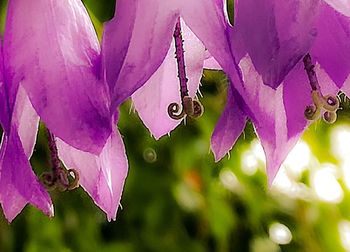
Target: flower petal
18, 183
286, 28
229, 127
332, 48
103, 175
163, 86
279, 114
147, 46
51, 48
209, 25
342, 6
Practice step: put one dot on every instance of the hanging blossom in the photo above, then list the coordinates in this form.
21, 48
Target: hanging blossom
293, 58
50, 67
155, 54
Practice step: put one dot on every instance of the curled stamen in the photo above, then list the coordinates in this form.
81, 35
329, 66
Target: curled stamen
190, 107
329, 117
47, 178
58, 178
75, 182
312, 112
329, 103
174, 111
198, 109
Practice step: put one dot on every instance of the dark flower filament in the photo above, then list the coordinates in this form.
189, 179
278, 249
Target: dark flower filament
328, 104
58, 177
190, 107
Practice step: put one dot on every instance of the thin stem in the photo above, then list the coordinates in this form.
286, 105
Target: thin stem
180, 58
309, 67
55, 161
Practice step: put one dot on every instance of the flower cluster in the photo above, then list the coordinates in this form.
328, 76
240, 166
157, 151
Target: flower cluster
286, 61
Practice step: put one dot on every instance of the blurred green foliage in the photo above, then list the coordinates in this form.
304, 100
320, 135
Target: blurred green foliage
177, 198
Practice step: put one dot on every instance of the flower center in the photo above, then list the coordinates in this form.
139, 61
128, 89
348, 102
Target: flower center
328, 105
189, 107
58, 177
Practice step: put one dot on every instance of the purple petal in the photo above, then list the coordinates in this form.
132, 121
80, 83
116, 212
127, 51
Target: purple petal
211, 63
229, 127
207, 21
146, 49
51, 48
279, 114
18, 183
342, 6
164, 88
286, 30
332, 48
101, 176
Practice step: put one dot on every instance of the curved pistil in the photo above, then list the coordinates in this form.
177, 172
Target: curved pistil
328, 105
189, 106
58, 178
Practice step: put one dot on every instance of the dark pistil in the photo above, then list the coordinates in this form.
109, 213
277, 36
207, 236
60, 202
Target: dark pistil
329, 104
58, 177
190, 107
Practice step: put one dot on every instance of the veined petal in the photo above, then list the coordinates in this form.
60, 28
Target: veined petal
4, 117
51, 47
152, 100
342, 6
18, 183
286, 29
209, 25
146, 49
332, 47
229, 127
278, 115
103, 175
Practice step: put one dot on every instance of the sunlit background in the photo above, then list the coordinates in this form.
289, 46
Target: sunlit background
177, 198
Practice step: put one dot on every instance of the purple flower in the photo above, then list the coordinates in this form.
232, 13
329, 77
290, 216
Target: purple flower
138, 54
273, 86
51, 61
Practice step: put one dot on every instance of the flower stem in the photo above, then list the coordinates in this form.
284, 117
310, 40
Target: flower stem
58, 177
190, 107
180, 58
309, 67
55, 161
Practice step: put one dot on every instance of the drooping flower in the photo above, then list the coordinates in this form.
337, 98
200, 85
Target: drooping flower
138, 55
272, 85
51, 61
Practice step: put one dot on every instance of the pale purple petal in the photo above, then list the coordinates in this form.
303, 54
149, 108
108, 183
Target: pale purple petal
332, 47
152, 100
279, 114
229, 127
51, 47
206, 19
275, 34
18, 184
211, 63
342, 6
102, 176
149, 43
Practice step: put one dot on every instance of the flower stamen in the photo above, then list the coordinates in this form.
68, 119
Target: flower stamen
328, 104
58, 178
190, 107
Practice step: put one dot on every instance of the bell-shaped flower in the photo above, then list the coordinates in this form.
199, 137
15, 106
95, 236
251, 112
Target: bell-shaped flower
139, 55
278, 85
51, 68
